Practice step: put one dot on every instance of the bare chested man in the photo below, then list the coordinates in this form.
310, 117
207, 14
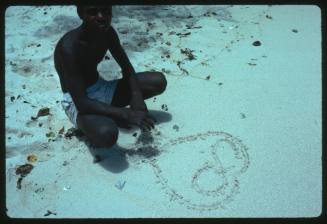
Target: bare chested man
94, 105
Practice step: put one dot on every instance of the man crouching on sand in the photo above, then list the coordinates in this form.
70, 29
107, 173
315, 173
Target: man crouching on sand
94, 105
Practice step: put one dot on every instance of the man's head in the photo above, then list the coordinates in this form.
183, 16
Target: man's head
96, 18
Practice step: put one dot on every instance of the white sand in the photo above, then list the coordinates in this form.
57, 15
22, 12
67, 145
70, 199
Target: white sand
245, 143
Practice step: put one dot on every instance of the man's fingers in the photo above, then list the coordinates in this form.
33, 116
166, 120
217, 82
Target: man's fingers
152, 118
150, 122
145, 126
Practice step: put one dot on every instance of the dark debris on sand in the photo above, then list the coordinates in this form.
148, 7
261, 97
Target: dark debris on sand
256, 43
23, 171
73, 132
188, 53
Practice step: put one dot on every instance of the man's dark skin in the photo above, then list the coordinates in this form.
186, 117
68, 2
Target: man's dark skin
77, 55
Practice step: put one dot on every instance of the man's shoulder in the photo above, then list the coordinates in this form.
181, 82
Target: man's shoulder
111, 31
70, 43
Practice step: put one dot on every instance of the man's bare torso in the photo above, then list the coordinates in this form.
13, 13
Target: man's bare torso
88, 54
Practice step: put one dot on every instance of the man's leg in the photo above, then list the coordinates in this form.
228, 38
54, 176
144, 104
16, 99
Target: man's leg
151, 84
100, 130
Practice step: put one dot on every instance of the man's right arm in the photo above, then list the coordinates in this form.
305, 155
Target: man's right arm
76, 86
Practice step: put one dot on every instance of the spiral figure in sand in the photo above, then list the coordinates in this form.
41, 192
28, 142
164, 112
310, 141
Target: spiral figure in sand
225, 171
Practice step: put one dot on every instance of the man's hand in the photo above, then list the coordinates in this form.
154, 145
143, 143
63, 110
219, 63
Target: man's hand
141, 119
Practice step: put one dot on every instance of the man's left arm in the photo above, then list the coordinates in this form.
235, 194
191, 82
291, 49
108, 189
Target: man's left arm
128, 71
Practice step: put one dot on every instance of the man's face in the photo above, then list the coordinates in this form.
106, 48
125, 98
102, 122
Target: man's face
97, 18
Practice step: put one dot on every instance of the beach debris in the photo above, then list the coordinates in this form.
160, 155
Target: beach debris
295, 30
50, 134
256, 43
12, 63
268, 17
40, 124
193, 27
50, 213
27, 69
65, 163
243, 116
171, 33
208, 14
183, 34
19, 183
39, 190
154, 99
176, 127
183, 70
168, 43
73, 132
120, 184
143, 41
135, 134
252, 64
23, 170
164, 107
42, 112
66, 188
97, 159
61, 131
220, 83
204, 63
12, 99
32, 158
188, 53
208, 77
167, 71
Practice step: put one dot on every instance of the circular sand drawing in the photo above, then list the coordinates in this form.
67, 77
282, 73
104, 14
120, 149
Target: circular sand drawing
225, 170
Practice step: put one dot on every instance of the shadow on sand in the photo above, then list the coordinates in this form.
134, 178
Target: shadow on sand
114, 159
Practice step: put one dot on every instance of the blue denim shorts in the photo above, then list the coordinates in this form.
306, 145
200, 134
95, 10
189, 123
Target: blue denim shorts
102, 91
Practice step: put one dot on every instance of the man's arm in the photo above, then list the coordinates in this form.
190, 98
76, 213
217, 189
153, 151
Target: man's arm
120, 56
117, 51
77, 89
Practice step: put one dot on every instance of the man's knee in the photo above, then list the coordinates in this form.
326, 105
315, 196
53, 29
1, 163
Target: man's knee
161, 84
107, 136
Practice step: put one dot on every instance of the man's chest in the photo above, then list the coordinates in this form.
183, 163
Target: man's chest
94, 53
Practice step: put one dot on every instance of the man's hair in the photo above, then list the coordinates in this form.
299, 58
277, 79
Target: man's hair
79, 9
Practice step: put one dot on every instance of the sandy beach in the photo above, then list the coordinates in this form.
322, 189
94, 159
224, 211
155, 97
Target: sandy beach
239, 125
